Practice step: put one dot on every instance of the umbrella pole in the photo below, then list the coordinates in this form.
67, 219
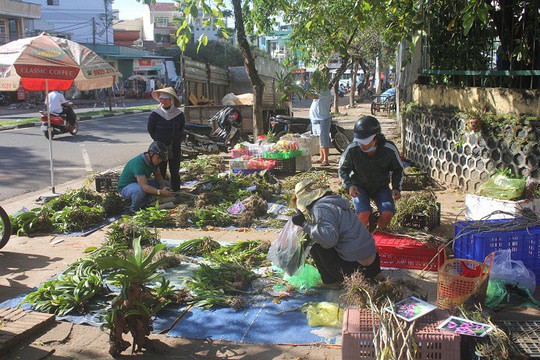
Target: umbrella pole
49, 130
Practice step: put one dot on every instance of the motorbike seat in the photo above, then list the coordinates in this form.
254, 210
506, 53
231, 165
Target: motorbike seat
195, 126
44, 112
293, 119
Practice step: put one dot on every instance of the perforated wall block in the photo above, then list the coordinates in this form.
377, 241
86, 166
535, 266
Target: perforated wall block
436, 142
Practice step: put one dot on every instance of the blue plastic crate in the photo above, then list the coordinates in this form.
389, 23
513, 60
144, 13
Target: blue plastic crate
474, 245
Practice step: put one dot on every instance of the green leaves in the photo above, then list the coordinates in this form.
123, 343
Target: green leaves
70, 292
135, 268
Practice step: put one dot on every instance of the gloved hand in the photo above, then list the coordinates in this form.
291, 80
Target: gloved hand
298, 218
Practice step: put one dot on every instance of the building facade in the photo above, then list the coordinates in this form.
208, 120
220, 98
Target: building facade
17, 19
85, 21
159, 26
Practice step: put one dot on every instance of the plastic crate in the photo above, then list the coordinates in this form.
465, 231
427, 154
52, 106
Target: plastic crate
106, 183
432, 343
524, 334
398, 251
423, 221
415, 182
285, 166
475, 244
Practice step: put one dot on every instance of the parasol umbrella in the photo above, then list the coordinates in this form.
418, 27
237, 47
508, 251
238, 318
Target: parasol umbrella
45, 63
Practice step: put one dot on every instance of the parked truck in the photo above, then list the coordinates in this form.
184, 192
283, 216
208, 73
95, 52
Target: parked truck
212, 83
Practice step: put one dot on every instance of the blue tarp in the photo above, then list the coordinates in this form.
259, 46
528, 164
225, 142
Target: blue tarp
259, 324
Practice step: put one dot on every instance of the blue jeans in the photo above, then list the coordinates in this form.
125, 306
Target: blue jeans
136, 194
382, 197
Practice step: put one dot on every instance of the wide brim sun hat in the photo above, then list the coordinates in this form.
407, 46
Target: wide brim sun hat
307, 192
169, 91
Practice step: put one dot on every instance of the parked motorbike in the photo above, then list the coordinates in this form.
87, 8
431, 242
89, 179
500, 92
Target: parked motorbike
203, 139
5, 228
59, 125
281, 125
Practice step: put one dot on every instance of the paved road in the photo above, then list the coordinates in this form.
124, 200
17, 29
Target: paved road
99, 145
7, 114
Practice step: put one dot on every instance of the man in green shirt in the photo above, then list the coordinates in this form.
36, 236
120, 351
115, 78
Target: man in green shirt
135, 183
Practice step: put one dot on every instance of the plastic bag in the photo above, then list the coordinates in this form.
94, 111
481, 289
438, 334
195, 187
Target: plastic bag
324, 314
504, 268
501, 292
502, 187
288, 251
305, 277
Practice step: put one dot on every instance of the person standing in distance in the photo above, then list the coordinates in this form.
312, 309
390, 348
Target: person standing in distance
166, 124
367, 167
321, 118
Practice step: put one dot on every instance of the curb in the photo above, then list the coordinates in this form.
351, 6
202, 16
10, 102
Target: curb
27, 125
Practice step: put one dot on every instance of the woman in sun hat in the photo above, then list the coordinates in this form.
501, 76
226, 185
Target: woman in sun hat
166, 124
342, 244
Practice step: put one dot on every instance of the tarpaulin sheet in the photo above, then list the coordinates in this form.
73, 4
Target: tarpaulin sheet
259, 324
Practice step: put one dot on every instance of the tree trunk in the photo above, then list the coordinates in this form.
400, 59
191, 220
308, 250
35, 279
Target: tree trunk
352, 91
249, 63
336, 97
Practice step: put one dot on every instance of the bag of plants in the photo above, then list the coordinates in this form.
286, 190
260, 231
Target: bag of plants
502, 187
288, 251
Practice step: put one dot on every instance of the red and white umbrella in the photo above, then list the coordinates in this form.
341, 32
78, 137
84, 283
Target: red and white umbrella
45, 63
36, 62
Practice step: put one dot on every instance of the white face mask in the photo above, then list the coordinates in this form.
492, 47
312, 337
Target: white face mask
371, 149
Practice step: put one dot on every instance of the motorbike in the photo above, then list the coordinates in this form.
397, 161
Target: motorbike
59, 125
5, 228
203, 139
281, 125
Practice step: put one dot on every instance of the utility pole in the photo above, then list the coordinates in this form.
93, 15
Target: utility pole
107, 24
94, 32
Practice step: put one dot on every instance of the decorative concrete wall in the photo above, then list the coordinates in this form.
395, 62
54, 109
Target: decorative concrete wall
437, 141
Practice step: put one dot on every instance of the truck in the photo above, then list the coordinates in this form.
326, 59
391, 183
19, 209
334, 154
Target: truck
211, 83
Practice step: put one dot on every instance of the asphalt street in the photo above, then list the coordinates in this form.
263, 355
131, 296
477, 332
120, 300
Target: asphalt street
100, 144
8, 114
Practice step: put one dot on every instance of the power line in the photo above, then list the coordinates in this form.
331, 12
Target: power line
63, 13
70, 26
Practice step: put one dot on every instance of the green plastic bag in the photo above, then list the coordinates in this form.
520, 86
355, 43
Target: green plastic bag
324, 314
502, 187
304, 278
502, 292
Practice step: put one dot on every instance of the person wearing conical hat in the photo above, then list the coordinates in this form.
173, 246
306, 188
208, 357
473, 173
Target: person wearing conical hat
342, 244
166, 124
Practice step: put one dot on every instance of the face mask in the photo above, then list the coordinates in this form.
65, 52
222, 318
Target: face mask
371, 149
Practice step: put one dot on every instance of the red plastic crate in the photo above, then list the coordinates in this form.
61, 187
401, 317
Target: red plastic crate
432, 343
397, 251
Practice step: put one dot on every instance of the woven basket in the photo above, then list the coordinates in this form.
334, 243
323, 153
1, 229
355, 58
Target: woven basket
463, 282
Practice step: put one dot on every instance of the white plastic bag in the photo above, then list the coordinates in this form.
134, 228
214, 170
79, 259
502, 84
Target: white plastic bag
287, 251
504, 268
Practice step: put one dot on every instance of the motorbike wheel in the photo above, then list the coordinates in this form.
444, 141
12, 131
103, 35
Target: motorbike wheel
75, 129
46, 133
5, 228
340, 141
